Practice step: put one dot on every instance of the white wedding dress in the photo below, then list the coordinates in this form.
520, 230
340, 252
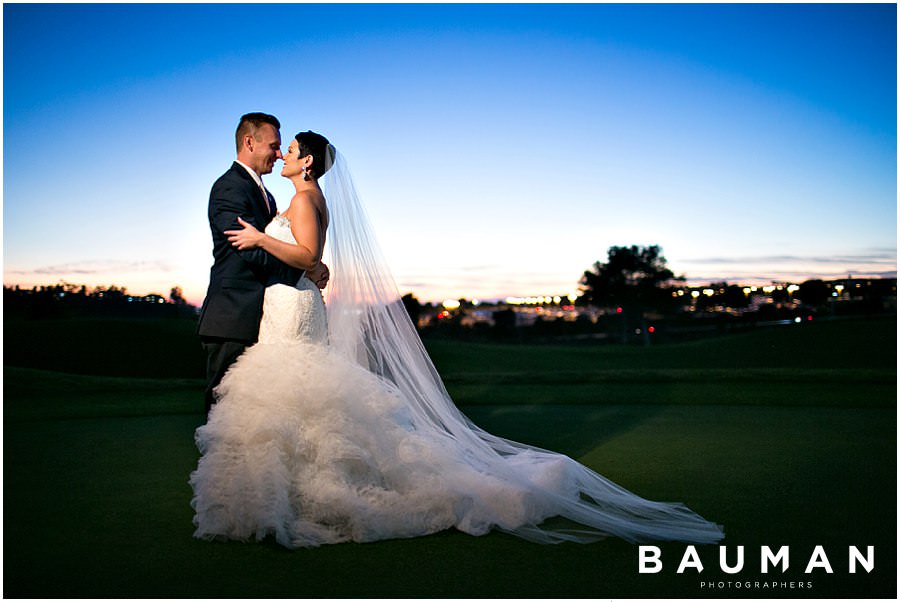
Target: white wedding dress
313, 445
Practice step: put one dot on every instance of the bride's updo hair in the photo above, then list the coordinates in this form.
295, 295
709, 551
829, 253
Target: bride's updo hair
317, 145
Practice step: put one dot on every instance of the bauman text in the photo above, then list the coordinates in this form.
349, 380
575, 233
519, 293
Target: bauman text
650, 559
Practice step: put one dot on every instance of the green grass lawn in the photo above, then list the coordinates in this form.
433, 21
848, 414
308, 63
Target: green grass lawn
786, 437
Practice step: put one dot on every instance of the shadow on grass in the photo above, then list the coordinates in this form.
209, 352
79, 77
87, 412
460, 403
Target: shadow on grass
571, 429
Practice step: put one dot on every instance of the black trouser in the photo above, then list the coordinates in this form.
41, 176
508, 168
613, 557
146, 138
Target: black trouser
220, 354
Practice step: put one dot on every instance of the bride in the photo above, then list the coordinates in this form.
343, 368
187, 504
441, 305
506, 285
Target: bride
336, 427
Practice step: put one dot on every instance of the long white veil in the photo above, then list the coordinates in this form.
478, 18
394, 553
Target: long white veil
368, 323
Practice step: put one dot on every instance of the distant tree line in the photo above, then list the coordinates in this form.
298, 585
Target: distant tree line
633, 297
66, 300
637, 280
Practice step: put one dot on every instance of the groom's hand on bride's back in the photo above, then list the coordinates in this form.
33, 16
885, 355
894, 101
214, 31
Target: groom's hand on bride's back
319, 275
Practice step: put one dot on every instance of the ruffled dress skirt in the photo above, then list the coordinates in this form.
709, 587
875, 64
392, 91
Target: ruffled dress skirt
312, 449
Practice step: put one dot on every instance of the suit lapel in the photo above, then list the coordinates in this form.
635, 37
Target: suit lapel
262, 209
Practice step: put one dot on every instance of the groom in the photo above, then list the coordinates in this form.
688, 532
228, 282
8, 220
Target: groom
229, 319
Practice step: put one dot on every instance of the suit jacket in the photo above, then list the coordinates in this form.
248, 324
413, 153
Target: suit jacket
237, 280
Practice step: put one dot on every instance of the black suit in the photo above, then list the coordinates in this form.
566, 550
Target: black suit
229, 319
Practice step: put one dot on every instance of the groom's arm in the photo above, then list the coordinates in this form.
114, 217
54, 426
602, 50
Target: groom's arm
225, 208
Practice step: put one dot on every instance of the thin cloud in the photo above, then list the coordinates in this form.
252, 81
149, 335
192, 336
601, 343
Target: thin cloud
99, 266
877, 258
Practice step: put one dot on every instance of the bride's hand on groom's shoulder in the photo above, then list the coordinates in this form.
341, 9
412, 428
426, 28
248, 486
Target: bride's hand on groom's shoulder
247, 238
319, 275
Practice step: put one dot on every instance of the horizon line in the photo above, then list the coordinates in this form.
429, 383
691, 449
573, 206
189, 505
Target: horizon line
754, 280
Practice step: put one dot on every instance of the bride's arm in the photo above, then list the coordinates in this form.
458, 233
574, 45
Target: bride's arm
305, 255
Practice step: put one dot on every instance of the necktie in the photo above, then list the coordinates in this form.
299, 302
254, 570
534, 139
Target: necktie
265, 198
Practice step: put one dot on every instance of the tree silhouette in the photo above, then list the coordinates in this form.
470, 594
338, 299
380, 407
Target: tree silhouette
176, 296
813, 292
631, 277
413, 307
635, 279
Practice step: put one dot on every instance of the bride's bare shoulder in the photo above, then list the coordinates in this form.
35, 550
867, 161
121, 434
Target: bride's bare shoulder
305, 201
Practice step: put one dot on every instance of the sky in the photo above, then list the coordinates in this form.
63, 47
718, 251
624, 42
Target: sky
500, 150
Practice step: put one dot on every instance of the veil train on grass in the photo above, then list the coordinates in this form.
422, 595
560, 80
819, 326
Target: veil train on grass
368, 324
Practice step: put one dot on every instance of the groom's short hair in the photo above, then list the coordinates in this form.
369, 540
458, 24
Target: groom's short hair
250, 123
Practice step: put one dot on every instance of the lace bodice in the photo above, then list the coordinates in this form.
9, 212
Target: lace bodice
292, 313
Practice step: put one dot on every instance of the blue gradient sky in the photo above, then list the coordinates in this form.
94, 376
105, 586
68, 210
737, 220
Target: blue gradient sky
500, 149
